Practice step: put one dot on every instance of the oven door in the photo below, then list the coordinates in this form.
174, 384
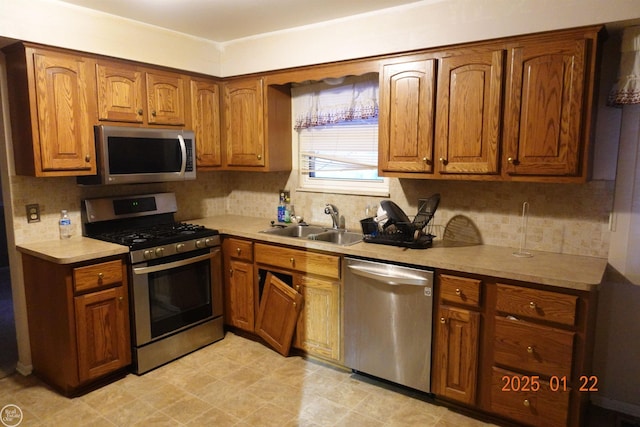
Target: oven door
174, 293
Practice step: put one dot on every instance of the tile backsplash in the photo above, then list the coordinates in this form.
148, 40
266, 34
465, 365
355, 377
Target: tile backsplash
563, 218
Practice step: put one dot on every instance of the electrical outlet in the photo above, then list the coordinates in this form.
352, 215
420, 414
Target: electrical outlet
33, 213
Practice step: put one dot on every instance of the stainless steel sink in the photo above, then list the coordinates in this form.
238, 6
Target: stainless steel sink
315, 232
338, 237
296, 230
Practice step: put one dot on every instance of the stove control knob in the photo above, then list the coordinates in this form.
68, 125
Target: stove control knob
209, 242
200, 243
159, 251
147, 254
179, 247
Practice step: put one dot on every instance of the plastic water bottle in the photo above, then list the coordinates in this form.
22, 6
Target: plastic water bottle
65, 225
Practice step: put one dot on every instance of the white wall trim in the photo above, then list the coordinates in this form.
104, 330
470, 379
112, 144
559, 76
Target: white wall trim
23, 369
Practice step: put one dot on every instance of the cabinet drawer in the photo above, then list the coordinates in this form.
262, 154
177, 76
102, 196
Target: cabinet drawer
97, 275
537, 304
512, 396
526, 346
238, 249
460, 290
295, 259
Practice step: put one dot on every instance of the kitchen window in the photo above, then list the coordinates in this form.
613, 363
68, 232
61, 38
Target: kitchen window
336, 123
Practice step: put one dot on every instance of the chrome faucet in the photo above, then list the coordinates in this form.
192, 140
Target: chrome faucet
330, 209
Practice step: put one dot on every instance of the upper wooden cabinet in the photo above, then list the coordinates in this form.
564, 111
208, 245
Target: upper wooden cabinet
205, 119
129, 93
52, 111
406, 121
166, 98
469, 99
120, 92
257, 125
514, 109
547, 108
244, 122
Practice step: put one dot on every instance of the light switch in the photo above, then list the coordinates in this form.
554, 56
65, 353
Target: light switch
33, 213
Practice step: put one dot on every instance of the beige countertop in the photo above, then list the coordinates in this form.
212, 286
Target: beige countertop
75, 249
566, 271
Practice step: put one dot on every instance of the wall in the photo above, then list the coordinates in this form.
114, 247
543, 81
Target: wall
567, 218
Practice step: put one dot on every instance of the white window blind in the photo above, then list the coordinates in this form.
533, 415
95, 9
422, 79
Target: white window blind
337, 128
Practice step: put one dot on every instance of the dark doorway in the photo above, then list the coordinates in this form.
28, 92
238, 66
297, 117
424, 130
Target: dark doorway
8, 343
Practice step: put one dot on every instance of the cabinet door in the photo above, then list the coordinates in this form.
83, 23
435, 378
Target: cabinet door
278, 314
543, 115
239, 295
406, 122
102, 330
318, 328
205, 116
244, 122
166, 98
120, 93
456, 357
65, 119
469, 112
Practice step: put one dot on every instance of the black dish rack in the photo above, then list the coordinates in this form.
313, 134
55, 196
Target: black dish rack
404, 233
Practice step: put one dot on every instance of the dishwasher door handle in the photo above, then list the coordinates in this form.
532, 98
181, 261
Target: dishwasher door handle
388, 279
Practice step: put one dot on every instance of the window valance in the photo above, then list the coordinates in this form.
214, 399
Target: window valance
321, 103
627, 89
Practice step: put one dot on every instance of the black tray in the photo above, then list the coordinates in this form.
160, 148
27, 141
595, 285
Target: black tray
423, 242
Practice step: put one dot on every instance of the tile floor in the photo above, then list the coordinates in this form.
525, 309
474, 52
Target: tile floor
234, 382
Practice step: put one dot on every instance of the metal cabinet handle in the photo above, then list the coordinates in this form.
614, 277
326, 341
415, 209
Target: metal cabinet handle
238, 251
100, 276
139, 111
532, 305
530, 349
153, 113
526, 403
458, 292
259, 156
443, 320
87, 158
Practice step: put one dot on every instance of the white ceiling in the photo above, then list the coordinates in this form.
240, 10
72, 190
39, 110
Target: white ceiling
224, 20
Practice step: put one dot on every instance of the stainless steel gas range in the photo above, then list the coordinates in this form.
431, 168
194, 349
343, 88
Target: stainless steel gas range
175, 274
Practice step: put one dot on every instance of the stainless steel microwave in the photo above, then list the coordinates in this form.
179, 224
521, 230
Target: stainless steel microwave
128, 155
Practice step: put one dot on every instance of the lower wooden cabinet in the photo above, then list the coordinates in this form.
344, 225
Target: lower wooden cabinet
457, 338
519, 351
529, 399
316, 276
100, 321
239, 296
279, 309
456, 358
318, 329
78, 320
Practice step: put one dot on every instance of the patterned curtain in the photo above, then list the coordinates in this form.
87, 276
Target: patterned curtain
627, 89
355, 98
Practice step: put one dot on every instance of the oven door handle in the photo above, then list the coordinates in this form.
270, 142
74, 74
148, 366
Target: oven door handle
170, 265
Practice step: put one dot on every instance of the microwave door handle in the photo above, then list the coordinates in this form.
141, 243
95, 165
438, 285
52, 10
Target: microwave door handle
183, 150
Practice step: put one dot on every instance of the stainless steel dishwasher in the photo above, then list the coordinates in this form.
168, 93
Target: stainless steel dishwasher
388, 321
